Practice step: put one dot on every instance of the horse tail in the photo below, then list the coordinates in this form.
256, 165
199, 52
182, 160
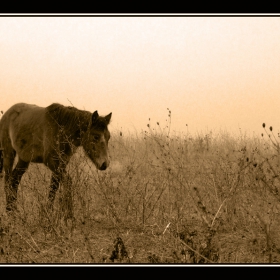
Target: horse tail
1, 160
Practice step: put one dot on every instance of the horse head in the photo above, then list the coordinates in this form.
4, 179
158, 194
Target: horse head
95, 140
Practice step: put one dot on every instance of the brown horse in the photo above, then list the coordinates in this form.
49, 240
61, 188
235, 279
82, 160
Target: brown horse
49, 135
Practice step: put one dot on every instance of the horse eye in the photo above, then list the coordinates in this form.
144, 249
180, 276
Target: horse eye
96, 137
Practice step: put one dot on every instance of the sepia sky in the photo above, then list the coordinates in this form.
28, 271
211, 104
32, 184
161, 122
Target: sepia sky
213, 73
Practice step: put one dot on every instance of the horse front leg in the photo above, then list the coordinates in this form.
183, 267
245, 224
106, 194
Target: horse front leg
55, 181
60, 179
66, 200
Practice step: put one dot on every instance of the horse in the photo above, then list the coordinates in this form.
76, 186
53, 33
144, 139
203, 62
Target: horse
49, 135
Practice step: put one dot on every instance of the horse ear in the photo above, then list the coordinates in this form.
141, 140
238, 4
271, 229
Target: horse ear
108, 118
94, 117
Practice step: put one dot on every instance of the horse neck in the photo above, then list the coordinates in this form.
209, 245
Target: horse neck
75, 128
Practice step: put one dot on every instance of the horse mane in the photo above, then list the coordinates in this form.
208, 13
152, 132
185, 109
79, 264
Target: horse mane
70, 118
73, 119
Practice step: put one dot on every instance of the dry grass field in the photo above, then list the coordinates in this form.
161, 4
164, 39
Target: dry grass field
166, 198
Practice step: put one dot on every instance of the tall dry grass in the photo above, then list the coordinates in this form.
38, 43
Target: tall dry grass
166, 198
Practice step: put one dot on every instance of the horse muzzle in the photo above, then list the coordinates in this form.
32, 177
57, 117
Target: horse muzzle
104, 165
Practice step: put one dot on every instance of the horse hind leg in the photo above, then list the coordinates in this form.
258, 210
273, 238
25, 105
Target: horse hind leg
12, 180
8, 161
